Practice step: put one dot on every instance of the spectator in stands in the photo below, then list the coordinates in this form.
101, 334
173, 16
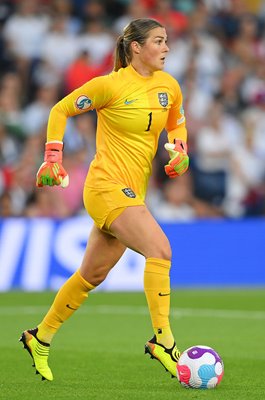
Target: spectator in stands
245, 185
59, 47
253, 83
5, 204
82, 69
65, 9
214, 145
247, 45
23, 32
174, 202
9, 147
35, 115
11, 100
175, 21
45, 203
22, 181
96, 40
134, 9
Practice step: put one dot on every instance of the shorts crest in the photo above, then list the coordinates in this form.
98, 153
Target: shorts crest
129, 192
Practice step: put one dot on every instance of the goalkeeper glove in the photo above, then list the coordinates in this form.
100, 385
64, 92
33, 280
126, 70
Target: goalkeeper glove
51, 172
179, 159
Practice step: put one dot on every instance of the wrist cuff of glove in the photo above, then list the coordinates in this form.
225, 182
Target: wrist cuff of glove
54, 151
180, 144
56, 145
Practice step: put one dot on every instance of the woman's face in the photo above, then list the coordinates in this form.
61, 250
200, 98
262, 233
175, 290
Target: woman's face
151, 55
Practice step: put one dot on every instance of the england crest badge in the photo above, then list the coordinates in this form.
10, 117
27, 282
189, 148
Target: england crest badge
163, 99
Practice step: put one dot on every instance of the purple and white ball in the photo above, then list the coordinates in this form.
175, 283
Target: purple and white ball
200, 367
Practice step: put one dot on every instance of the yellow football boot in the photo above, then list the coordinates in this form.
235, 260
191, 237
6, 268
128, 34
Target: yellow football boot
39, 351
167, 357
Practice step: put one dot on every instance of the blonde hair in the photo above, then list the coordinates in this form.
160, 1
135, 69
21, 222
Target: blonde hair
137, 30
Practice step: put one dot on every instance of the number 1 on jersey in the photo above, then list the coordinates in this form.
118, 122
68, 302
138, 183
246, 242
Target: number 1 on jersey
149, 122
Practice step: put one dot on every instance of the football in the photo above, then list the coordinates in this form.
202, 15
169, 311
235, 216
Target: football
200, 367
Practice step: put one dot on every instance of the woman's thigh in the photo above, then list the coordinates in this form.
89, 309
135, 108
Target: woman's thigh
137, 229
102, 252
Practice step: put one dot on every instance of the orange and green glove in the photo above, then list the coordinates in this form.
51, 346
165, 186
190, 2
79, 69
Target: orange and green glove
179, 159
51, 172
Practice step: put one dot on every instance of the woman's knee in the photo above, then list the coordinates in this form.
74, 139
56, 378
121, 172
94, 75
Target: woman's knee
161, 250
94, 276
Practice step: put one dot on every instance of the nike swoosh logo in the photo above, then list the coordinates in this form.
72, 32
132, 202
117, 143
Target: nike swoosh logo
71, 308
127, 102
163, 294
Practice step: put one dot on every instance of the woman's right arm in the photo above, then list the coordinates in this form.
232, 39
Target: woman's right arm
92, 95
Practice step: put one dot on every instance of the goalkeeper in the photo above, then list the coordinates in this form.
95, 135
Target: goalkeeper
134, 103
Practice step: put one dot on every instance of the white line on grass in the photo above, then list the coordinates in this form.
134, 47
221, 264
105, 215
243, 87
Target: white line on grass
140, 310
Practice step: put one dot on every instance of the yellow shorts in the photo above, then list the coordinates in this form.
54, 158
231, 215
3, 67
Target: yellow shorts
106, 204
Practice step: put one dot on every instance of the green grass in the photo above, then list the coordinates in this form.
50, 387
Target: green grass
98, 353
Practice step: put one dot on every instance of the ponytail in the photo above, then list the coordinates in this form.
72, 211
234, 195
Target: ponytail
120, 60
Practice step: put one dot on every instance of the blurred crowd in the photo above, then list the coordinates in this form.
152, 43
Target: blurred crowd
217, 53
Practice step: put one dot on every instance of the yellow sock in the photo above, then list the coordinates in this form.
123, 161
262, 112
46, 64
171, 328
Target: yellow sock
157, 292
68, 299
164, 336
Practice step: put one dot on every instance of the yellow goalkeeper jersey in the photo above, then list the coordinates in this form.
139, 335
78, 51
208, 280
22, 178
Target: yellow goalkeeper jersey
132, 111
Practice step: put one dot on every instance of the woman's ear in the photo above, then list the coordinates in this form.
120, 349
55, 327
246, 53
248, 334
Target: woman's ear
135, 47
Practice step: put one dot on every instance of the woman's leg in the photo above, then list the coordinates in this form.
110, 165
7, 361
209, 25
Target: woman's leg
137, 229
102, 253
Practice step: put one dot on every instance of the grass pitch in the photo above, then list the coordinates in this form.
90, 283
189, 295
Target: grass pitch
99, 353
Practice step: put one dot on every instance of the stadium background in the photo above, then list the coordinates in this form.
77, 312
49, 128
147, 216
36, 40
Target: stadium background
214, 214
